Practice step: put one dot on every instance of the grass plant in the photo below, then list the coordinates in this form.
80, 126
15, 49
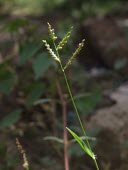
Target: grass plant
55, 54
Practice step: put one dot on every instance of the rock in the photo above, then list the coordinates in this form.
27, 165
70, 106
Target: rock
114, 118
113, 123
106, 44
107, 148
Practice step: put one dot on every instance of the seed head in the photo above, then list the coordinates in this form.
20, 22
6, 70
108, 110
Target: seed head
64, 40
22, 151
51, 31
53, 55
80, 46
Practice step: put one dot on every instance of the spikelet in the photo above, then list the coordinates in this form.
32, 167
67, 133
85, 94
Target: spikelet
22, 151
52, 33
80, 46
64, 40
53, 55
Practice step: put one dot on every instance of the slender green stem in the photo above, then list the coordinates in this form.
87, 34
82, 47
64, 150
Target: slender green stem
96, 164
74, 104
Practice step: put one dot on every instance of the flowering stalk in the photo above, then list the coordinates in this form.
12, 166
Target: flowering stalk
80, 46
52, 33
64, 40
86, 148
53, 55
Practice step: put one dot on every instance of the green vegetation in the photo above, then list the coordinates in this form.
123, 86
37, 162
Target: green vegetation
36, 102
77, 9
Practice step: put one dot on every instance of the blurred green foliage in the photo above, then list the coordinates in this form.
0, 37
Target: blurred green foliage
41, 64
87, 103
7, 79
31, 72
76, 8
11, 118
29, 75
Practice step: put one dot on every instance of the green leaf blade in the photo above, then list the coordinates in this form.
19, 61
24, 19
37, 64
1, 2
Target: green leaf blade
7, 81
11, 118
88, 102
41, 64
28, 51
82, 144
34, 94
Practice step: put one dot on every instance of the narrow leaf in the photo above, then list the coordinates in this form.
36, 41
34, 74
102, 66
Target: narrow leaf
82, 144
54, 138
